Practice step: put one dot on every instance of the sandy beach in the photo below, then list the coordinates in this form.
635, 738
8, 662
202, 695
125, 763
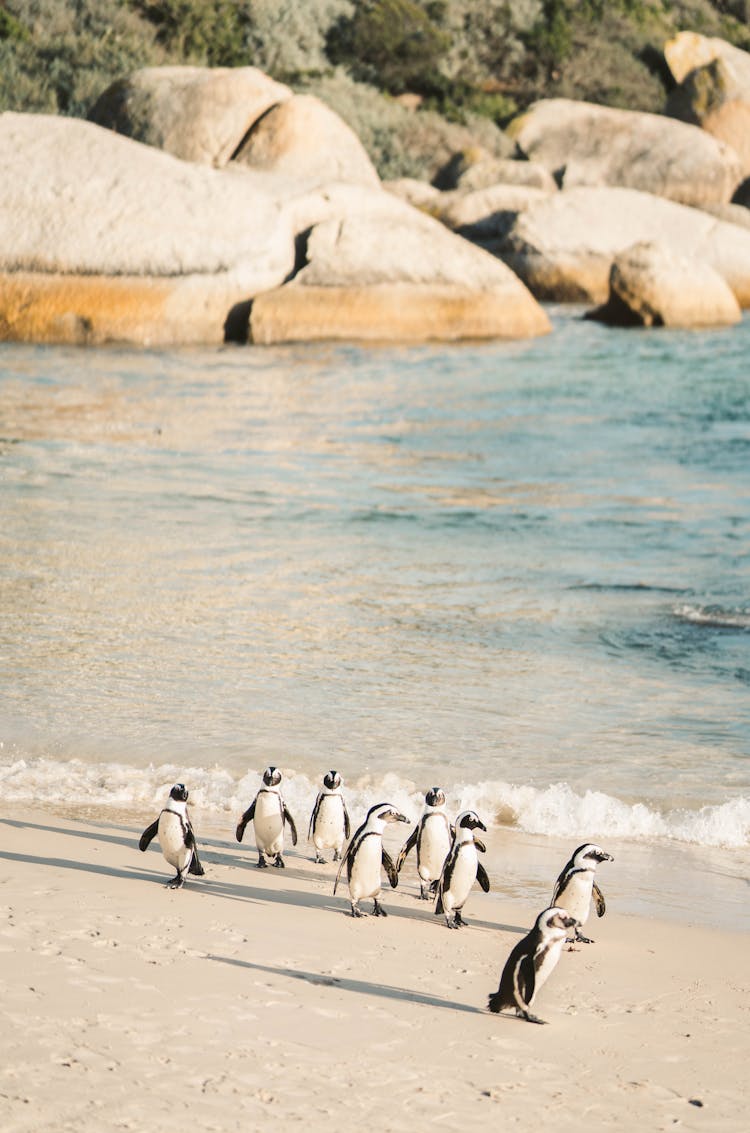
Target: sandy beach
251, 996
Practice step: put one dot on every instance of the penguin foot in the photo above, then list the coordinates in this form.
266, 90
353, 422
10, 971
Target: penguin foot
424, 893
319, 860
378, 910
458, 920
176, 882
530, 1018
262, 863
579, 939
451, 924
278, 862
357, 912
336, 856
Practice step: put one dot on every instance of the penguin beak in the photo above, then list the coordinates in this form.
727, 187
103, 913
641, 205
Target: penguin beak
400, 818
604, 857
570, 922
482, 826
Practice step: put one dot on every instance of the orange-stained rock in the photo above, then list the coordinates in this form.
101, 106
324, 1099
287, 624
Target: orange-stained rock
89, 310
392, 312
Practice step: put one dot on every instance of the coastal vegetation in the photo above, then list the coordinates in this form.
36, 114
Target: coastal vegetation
398, 71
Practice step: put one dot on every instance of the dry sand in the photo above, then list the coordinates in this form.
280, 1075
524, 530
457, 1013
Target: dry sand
250, 997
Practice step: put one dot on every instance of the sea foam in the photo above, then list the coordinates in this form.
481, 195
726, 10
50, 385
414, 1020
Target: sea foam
555, 810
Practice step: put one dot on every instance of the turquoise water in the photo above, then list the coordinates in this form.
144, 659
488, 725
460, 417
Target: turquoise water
519, 570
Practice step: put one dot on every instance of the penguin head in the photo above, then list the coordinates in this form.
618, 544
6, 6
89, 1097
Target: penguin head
555, 922
469, 820
271, 777
332, 780
385, 812
435, 797
589, 855
179, 793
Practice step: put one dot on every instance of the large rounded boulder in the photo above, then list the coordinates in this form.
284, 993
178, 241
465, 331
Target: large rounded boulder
583, 144
563, 248
373, 267
713, 89
650, 285
198, 114
303, 138
102, 238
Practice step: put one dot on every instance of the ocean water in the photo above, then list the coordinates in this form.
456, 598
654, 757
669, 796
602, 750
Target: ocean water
519, 570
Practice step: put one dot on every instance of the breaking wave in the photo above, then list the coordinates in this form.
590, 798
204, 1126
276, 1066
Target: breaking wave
715, 617
555, 810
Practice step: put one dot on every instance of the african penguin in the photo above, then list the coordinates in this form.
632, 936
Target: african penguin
364, 856
530, 964
176, 837
462, 867
575, 887
432, 837
268, 812
329, 821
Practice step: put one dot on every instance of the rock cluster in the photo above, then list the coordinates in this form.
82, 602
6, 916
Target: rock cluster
199, 205
235, 209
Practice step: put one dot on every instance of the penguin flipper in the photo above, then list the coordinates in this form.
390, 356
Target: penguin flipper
347, 824
482, 877
601, 905
148, 835
439, 901
480, 845
247, 817
314, 815
524, 982
390, 868
288, 818
195, 866
408, 845
344, 860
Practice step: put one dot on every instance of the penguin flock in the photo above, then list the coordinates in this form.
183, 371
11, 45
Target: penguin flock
447, 862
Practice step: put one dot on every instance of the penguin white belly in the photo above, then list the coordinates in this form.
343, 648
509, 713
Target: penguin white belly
544, 971
329, 824
434, 847
268, 823
576, 896
172, 840
364, 875
463, 877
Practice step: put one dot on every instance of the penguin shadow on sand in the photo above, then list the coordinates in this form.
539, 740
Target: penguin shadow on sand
346, 983
101, 833
125, 839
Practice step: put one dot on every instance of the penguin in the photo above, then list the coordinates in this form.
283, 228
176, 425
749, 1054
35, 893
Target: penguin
531, 963
176, 837
575, 887
364, 856
461, 868
433, 838
329, 821
268, 812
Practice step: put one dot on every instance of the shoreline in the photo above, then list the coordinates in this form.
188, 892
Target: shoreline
252, 995
661, 879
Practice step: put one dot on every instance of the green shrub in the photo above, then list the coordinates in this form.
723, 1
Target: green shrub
391, 43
